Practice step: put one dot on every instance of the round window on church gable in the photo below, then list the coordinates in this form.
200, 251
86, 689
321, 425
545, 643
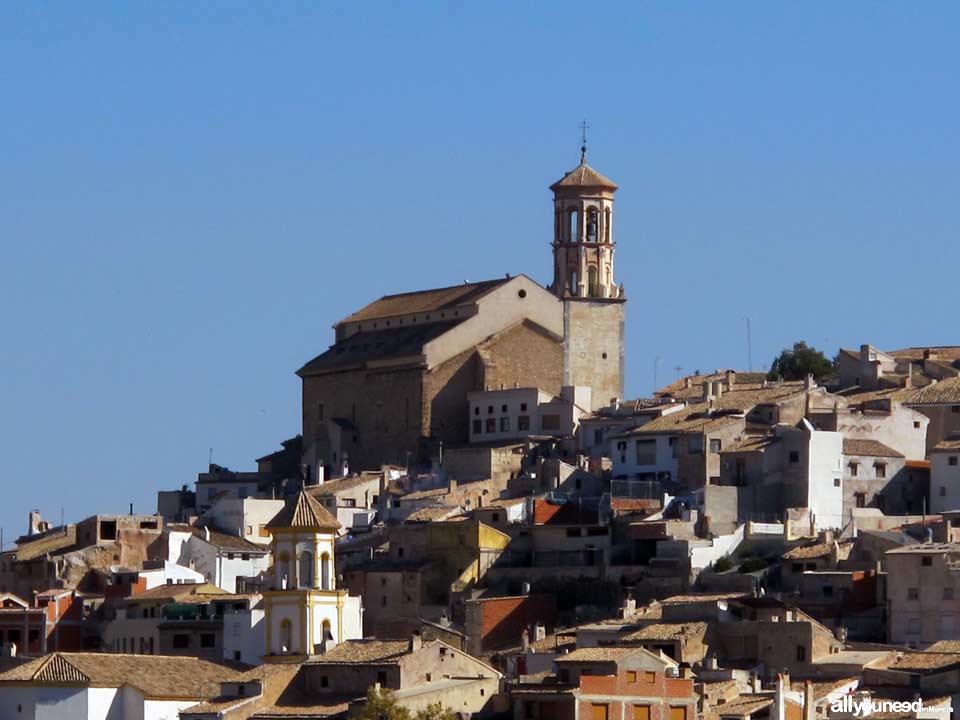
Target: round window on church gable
604, 356
522, 294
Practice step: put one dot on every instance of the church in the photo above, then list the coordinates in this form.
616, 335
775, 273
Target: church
394, 384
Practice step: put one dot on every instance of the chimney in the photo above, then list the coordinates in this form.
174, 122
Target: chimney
779, 697
809, 704
539, 632
8, 650
525, 588
808, 382
525, 640
452, 484
687, 382
717, 389
755, 684
206, 533
711, 662
416, 641
707, 391
686, 672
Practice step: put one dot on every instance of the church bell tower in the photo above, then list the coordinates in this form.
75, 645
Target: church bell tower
593, 304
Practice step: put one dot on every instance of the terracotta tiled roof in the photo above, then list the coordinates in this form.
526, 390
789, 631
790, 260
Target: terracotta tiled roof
60, 671
700, 417
584, 176
691, 386
304, 512
437, 299
925, 661
817, 550
951, 444
177, 591
945, 646
596, 654
873, 448
744, 705
943, 352
332, 487
225, 541
945, 392
365, 652
701, 597
380, 344
157, 676
666, 631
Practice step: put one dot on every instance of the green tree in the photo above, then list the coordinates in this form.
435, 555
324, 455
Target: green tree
384, 706
436, 711
381, 706
797, 363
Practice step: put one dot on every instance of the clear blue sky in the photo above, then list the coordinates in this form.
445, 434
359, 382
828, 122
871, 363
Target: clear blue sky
192, 193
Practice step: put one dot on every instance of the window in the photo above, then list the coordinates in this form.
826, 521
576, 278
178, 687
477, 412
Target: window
827, 590
33, 636
495, 517
673, 447
948, 593
641, 712
504, 424
489, 409
476, 410
477, 427
797, 567
491, 425
861, 499
854, 469
955, 408
836, 482
926, 561
695, 444
244, 556
503, 408
382, 677
943, 491
631, 676
952, 460
324, 681
715, 445
794, 456
598, 436
646, 452
523, 407
523, 422
913, 594
551, 422
649, 677
913, 626
208, 640
801, 653
916, 424
599, 712
181, 641
678, 713
383, 601
573, 532
880, 469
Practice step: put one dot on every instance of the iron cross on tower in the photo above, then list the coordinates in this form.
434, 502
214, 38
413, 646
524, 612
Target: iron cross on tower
583, 138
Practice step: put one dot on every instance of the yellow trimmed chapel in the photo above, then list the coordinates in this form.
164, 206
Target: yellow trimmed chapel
305, 612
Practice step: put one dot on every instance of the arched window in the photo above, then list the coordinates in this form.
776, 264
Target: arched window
286, 636
592, 281
325, 571
592, 221
306, 569
573, 225
573, 282
606, 225
326, 632
282, 570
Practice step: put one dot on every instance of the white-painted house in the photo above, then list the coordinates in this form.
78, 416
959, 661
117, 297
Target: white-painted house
945, 475
219, 557
99, 686
243, 517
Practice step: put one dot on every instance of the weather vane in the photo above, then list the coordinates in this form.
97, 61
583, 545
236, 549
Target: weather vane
583, 138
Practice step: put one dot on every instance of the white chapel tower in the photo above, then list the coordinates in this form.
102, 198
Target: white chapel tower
593, 304
305, 612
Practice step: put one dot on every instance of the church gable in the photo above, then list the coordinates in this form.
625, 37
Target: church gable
526, 354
